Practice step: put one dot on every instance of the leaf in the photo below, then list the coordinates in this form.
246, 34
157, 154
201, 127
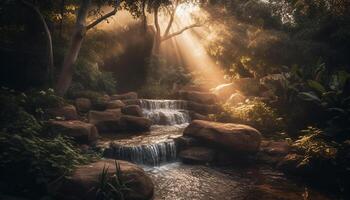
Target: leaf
307, 96
318, 87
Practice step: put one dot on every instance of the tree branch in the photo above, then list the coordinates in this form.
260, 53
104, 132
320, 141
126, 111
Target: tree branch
156, 22
102, 18
172, 16
180, 32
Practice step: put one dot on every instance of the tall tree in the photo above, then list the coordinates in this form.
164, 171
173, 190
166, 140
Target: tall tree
171, 7
79, 32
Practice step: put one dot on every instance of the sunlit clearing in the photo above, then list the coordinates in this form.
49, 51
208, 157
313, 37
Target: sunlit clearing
187, 49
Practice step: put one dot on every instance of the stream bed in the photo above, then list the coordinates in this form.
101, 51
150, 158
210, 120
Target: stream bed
155, 151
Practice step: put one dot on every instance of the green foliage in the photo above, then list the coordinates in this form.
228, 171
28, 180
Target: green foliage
88, 76
254, 113
163, 78
313, 145
111, 186
30, 157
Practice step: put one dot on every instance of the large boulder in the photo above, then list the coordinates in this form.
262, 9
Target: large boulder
83, 104
106, 121
133, 110
199, 97
197, 155
135, 123
81, 132
67, 112
246, 86
84, 182
129, 95
235, 138
203, 108
115, 104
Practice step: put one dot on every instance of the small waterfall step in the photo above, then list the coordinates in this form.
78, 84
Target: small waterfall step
149, 154
165, 112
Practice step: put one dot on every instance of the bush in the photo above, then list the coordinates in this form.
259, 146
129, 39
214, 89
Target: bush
254, 113
88, 76
31, 158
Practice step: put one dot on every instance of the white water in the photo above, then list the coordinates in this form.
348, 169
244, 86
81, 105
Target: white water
165, 112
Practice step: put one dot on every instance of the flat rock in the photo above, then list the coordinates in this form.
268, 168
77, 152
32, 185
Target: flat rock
202, 108
83, 104
135, 123
236, 138
106, 121
84, 181
81, 132
198, 97
133, 110
67, 112
115, 104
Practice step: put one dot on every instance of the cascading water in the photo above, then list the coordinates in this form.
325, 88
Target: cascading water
164, 114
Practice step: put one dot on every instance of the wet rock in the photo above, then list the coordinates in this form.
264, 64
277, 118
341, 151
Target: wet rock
198, 97
203, 108
197, 155
67, 112
85, 179
83, 104
83, 133
277, 148
106, 121
133, 110
184, 142
236, 138
129, 122
195, 116
115, 104
129, 95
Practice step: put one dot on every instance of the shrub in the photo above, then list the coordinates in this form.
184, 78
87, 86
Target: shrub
254, 113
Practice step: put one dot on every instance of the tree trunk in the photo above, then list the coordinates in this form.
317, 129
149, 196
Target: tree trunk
157, 36
50, 65
65, 77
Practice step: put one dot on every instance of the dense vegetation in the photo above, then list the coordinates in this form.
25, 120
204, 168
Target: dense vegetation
297, 50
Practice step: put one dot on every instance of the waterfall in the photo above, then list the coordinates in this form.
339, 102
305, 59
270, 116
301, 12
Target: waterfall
150, 154
165, 112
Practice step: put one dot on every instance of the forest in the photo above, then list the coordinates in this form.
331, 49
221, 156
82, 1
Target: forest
174, 99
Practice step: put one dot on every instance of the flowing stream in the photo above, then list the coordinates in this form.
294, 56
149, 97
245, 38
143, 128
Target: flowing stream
156, 152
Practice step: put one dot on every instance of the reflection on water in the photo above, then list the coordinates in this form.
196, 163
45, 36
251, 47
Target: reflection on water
193, 182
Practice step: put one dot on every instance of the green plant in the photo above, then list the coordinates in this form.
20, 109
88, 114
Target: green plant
314, 145
112, 187
254, 113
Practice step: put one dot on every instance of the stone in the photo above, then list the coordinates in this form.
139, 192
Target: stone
290, 163
198, 97
135, 123
129, 95
203, 108
184, 142
197, 155
132, 102
83, 183
81, 132
195, 116
67, 112
115, 104
246, 86
83, 104
133, 110
278, 148
236, 138
236, 98
106, 121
